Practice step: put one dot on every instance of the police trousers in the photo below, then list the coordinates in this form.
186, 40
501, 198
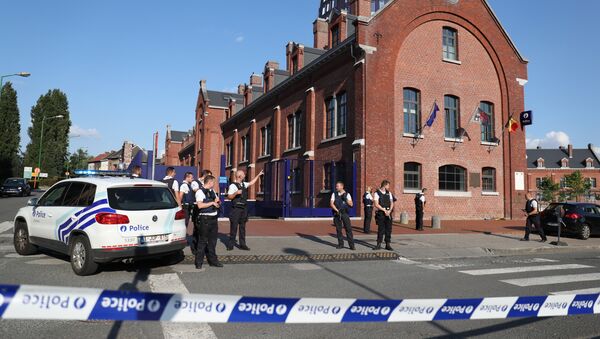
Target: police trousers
384, 227
342, 220
192, 235
368, 216
419, 218
533, 221
237, 220
207, 228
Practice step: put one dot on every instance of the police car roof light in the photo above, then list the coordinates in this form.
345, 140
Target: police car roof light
111, 219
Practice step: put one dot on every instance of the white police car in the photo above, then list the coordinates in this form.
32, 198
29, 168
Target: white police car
99, 220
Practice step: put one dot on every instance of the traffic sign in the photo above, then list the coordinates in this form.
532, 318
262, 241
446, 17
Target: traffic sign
27, 172
43, 175
36, 170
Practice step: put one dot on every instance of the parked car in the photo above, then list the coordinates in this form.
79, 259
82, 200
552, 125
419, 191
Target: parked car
580, 219
100, 220
15, 186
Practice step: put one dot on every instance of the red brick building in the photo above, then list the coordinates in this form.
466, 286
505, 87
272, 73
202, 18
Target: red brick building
174, 144
354, 106
560, 162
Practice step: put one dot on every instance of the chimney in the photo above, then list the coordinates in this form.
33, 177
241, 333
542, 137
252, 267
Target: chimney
321, 33
269, 75
168, 132
360, 8
570, 148
241, 89
255, 80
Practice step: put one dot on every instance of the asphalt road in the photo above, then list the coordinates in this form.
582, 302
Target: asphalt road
456, 278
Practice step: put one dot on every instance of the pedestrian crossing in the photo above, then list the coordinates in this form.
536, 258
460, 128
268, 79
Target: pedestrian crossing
549, 269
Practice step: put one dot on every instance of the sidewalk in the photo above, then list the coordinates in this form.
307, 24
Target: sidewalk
455, 240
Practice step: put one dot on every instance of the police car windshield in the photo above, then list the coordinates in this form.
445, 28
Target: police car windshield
141, 198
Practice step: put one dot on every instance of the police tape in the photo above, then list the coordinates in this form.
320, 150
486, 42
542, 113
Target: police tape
66, 303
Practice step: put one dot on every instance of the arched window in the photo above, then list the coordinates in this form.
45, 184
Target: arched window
412, 111
412, 175
486, 117
488, 179
450, 43
452, 178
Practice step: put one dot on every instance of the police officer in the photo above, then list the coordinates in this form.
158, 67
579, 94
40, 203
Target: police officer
136, 172
368, 209
420, 202
533, 218
238, 194
208, 205
188, 203
384, 206
340, 202
196, 185
172, 183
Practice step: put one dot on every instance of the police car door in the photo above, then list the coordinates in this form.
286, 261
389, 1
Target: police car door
48, 210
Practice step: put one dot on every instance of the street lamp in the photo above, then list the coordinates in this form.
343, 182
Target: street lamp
42, 138
21, 74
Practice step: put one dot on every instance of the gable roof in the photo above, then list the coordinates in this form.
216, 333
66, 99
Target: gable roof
100, 157
221, 99
178, 136
553, 157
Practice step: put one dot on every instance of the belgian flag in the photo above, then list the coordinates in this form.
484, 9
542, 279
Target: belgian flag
512, 125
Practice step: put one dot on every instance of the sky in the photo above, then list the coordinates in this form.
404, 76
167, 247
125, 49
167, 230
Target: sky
129, 68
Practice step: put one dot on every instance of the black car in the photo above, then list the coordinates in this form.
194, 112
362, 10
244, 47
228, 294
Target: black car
15, 186
580, 219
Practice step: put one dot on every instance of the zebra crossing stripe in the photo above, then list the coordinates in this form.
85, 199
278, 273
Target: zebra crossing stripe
520, 269
553, 279
592, 290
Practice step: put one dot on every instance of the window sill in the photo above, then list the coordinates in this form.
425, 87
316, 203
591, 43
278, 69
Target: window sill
411, 191
324, 141
245, 162
453, 194
296, 192
262, 157
459, 140
490, 194
260, 193
456, 62
294, 149
413, 136
489, 143
324, 191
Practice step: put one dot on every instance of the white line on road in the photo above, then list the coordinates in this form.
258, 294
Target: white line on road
553, 279
170, 283
402, 260
5, 226
593, 290
520, 269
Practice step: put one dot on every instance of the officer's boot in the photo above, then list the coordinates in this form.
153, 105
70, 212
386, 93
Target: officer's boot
378, 247
340, 246
351, 244
388, 247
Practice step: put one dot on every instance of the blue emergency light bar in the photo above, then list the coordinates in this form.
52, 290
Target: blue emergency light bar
90, 173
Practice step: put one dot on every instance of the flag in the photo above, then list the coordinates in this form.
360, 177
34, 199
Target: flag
512, 125
433, 115
480, 117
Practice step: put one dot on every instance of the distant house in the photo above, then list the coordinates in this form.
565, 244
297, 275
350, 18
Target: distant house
557, 163
119, 159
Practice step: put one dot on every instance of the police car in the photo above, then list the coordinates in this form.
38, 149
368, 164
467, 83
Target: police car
100, 220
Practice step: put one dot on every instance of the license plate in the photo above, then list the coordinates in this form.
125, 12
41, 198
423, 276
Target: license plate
153, 239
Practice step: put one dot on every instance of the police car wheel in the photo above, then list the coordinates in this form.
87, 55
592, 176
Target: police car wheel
82, 262
21, 240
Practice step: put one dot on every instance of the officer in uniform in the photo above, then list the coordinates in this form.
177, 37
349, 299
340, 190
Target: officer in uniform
368, 209
208, 204
238, 194
136, 172
533, 218
340, 202
172, 183
196, 185
383, 202
420, 202
188, 203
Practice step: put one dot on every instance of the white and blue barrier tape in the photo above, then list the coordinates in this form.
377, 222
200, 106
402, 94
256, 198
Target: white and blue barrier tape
62, 303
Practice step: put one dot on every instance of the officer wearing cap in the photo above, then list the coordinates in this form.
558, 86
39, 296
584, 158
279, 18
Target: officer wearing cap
368, 209
208, 205
238, 194
340, 203
383, 202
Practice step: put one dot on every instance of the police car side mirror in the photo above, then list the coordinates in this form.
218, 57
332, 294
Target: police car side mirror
33, 202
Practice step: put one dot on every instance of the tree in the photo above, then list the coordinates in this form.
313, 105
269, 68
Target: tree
577, 185
56, 133
78, 160
10, 130
548, 189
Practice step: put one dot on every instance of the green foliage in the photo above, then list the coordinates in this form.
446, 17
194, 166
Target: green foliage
577, 185
549, 189
10, 129
78, 160
55, 141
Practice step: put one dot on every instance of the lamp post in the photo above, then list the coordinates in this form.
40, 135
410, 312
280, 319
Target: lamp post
41, 139
21, 74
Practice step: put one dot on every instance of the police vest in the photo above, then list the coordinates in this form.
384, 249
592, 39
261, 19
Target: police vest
200, 183
367, 201
384, 199
529, 206
188, 198
169, 183
418, 202
241, 200
209, 196
340, 202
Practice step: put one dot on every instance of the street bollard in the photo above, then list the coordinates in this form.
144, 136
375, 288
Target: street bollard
436, 222
404, 218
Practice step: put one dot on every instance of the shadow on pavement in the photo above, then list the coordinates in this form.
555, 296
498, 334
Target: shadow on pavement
486, 330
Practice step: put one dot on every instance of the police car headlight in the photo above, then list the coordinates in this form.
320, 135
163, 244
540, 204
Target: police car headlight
19, 188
